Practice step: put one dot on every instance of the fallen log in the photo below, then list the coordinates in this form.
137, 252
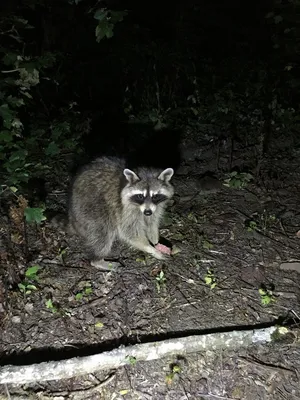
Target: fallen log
77, 366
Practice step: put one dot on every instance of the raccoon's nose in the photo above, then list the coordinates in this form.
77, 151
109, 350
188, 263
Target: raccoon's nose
148, 212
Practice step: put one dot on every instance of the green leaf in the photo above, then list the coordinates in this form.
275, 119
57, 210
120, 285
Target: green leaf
6, 136
22, 287
88, 290
10, 59
104, 28
34, 215
117, 16
101, 14
265, 300
15, 101
176, 369
52, 149
131, 360
99, 33
32, 271
123, 392
99, 324
31, 287
49, 304
17, 155
79, 296
7, 115
207, 245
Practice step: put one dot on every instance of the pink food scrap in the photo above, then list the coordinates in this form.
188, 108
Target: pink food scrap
163, 249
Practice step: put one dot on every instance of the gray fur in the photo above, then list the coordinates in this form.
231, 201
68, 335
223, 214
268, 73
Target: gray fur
101, 209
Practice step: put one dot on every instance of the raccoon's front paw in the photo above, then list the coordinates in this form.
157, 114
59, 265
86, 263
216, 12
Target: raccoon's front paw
160, 256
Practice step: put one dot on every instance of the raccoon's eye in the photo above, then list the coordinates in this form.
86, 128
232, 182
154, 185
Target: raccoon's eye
158, 198
138, 198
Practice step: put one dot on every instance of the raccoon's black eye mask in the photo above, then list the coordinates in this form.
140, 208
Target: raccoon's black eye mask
158, 198
138, 198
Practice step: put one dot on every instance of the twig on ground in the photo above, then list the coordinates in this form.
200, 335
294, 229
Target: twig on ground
272, 367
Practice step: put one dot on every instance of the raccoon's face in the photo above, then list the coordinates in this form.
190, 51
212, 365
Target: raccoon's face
147, 190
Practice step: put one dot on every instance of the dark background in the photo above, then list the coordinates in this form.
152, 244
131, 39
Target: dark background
223, 54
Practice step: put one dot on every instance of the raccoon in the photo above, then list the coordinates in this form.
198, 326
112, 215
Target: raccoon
109, 201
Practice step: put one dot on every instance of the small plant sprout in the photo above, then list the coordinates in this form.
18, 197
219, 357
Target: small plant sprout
260, 222
210, 279
123, 392
31, 272
27, 286
251, 226
207, 245
267, 220
192, 217
267, 296
141, 259
160, 281
175, 371
237, 180
131, 360
51, 306
85, 290
62, 252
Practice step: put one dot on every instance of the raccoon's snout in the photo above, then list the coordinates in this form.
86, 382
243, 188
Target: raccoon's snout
148, 212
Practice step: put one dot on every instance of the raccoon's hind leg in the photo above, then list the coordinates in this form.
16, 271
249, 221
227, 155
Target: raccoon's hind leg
99, 250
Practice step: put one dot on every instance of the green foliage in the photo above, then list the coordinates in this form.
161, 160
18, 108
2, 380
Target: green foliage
85, 290
160, 281
31, 272
251, 226
34, 215
131, 360
261, 222
175, 370
238, 180
28, 285
207, 245
29, 145
210, 279
51, 306
107, 20
267, 296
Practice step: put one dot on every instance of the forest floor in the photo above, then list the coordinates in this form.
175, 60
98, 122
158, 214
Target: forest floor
244, 239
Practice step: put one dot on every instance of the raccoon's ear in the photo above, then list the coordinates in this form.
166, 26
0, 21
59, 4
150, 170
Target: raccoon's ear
130, 176
166, 175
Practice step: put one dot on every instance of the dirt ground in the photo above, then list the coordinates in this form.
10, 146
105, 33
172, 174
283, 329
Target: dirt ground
242, 235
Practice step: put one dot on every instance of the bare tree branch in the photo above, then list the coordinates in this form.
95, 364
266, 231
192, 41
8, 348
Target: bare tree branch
64, 369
